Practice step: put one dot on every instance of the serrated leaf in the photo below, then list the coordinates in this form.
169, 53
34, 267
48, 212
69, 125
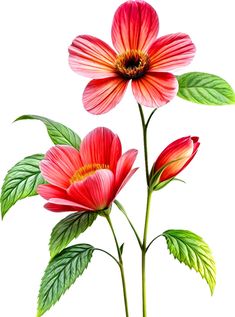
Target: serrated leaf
189, 248
205, 89
59, 133
21, 181
61, 272
68, 229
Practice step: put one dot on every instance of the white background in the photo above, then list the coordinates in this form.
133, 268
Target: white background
36, 79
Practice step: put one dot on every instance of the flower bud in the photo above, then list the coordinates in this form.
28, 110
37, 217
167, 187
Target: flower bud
173, 160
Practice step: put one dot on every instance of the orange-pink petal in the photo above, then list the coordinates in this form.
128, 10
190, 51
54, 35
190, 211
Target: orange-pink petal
96, 192
69, 203
49, 191
91, 57
60, 164
101, 95
170, 52
155, 89
101, 146
135, 26
60, 208
124, 167
176, 156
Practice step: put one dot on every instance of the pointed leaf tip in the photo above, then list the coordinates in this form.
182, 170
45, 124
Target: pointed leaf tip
190, 249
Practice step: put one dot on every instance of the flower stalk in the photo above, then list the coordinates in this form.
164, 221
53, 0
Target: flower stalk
120, 265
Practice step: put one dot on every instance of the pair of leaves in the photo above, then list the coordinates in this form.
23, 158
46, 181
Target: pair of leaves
207, 89
189, 248
23, 178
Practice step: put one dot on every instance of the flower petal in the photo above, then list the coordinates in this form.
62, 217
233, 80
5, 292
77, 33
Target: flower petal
102, 95
170, 52
101, 146
95, 192
60, 164
135, 26
124, 166
155, 89
91, 57
48, 191
68, 202
60, 208
126, 179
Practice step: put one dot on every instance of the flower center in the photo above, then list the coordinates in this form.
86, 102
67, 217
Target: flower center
86, 171
132, 64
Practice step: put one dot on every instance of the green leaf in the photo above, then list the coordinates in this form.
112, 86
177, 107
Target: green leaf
21, 181
58, 132
61, 272
205, 89
189, 248
68, 229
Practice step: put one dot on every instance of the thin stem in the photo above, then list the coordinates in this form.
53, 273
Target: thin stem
144, 127
150, 117
122, 209
120, 266
109, 254
144, 250
152, 242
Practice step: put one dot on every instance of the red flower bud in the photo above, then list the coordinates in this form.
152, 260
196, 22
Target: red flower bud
175, 158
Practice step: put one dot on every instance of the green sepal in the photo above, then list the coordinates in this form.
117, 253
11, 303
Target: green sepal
104, 213
58, 133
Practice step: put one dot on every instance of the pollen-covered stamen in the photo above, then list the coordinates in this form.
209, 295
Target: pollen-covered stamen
132, 64
86, 171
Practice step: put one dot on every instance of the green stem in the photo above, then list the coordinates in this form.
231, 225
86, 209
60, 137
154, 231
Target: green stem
144, 127
149, 195
144, 250
120, 266
122, 209
109, 254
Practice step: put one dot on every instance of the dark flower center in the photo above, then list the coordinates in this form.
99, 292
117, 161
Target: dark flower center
132, 64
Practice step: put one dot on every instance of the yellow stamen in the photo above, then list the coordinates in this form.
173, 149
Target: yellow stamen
86, 171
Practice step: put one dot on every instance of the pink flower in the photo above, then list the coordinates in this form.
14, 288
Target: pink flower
88, 179
175, 158
140, 57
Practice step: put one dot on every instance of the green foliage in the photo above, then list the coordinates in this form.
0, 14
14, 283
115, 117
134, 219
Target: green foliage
58, 132
205, 89
61, 272
21, 181
189, 248
70, 228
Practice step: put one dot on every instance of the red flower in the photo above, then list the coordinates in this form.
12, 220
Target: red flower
175, 158
140, 57
88, 179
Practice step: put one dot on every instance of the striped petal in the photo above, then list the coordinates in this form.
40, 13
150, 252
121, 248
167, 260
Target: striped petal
91, 57
124, 166
48, 191
60, 208
101, 146
170, 52
102, 95
96, 192
155, 89
60, 164
135, 26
